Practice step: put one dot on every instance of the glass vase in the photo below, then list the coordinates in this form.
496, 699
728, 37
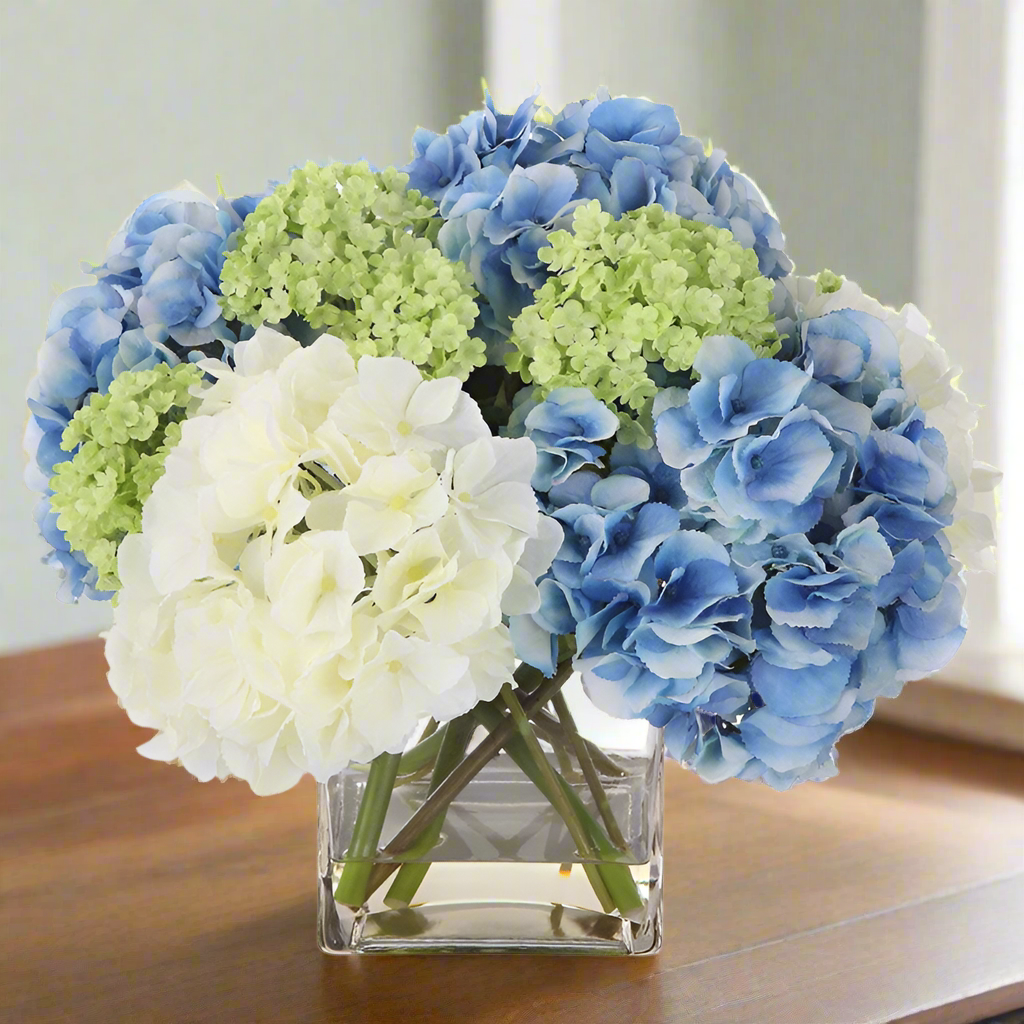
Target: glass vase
502, 869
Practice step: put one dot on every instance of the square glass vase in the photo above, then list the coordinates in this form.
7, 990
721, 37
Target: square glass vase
506, 873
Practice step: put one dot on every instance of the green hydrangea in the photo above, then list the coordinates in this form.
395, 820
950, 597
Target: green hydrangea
630, 295
122, 439
353, 252
827, 282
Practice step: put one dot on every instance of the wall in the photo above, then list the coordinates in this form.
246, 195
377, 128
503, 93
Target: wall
106, 103
817, 101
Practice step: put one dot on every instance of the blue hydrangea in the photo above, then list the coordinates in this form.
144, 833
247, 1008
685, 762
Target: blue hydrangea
567, 428
155, 300
504, 182
168, 256
483, 137
782, 480
853, 352
771, 568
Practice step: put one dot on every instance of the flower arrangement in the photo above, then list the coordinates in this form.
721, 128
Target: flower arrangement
371, 464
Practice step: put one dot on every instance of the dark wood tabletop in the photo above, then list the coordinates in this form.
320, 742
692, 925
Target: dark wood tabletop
131, 892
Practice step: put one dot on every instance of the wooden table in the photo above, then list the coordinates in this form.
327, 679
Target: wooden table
130, 892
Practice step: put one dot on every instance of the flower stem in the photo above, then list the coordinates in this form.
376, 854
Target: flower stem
460, 777
420, 773
616, 877
543, 773
322, 477
421, 755
565, 765
373, 808
589, 771
552, 730
528, 678
416, 758
457, 735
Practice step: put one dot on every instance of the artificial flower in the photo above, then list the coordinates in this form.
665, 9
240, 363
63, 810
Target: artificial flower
313, 584
505, 182
925, 379
630, 301
566, 429
773, 566
120, 441
740, 500
352, 252
155, 301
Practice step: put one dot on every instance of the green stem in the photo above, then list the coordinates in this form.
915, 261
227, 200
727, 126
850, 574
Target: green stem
551, 729
328, 482
373, 808
565, 765
421, 755
428, 730
547, 782
589, 771
457, 735
617, 878
528, 678
420, 773
458, 779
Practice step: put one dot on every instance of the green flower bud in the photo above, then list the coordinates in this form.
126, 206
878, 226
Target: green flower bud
353, 252
120, 441
625, 294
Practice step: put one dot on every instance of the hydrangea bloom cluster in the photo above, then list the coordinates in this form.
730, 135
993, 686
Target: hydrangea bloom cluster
120, 440
325, 561
155, 301
781, 560
743, 498
352, 252
628, 303
504, 182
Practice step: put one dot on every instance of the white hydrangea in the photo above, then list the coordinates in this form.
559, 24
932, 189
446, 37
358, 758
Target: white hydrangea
933, 383
323, 564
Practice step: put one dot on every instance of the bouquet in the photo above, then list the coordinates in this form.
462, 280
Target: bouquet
370, 464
